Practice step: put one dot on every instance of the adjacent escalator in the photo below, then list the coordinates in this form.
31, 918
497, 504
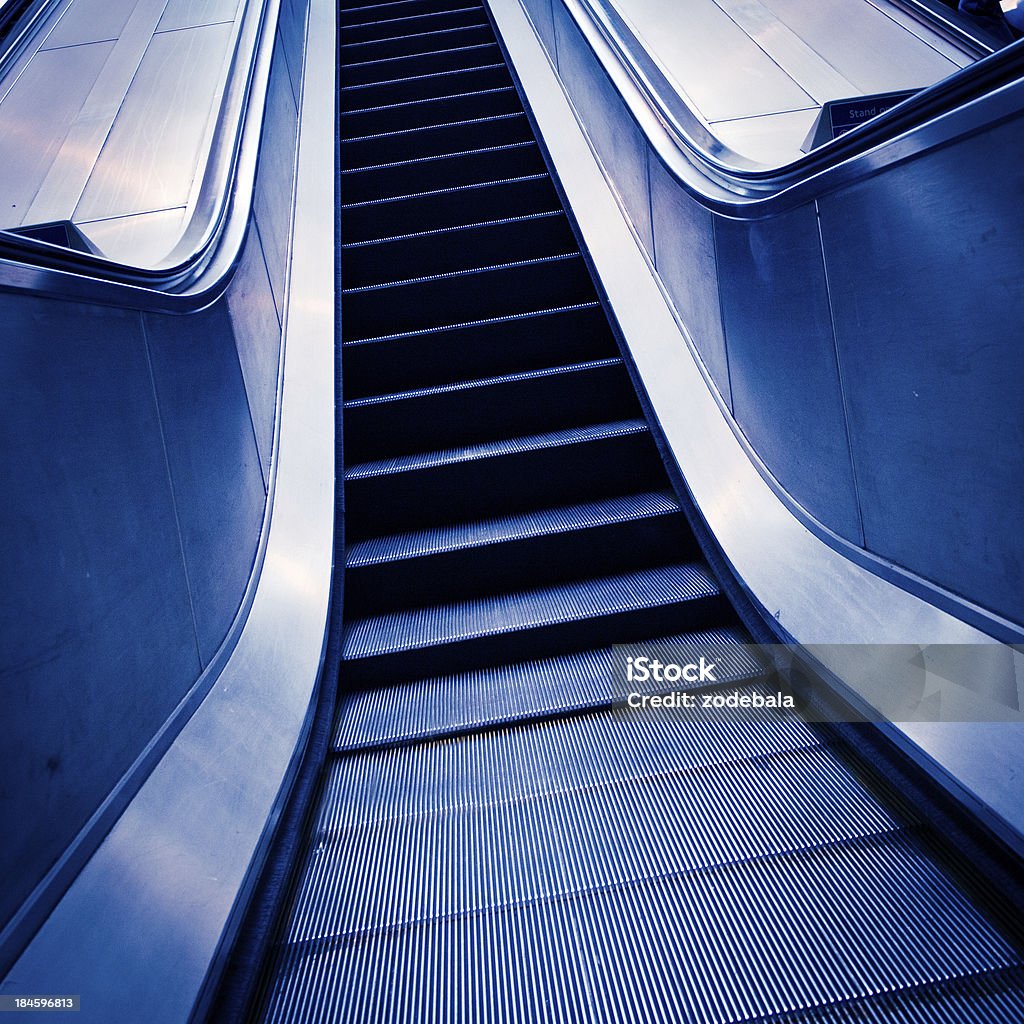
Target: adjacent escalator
495, 839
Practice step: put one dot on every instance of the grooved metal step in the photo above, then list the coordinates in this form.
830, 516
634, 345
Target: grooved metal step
436, 110
445, 250
412, 42
433, 173
449, 208
435, 140
478, 410
578, 613
486, 347
466, 295
414, 710
453, 17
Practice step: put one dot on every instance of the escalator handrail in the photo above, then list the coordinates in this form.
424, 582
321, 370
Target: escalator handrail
733, 183
200, 267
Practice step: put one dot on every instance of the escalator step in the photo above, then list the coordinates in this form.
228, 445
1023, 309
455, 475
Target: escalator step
433, 173
472, 411
450, 208
406, 41
513, 552
420, 709
455, 16
485, 347
435, 140
488, 74
426, 489
446, 250
370, 14
502, 99
680, 947
512, 626
432, 62
505, 289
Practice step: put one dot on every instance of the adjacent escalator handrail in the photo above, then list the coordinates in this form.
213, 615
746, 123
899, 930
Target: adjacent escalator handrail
199, 268
734, 181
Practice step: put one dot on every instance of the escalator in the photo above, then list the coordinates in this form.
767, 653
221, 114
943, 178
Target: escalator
494, 837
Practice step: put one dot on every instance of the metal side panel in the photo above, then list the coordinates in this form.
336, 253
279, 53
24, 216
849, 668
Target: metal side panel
144, 924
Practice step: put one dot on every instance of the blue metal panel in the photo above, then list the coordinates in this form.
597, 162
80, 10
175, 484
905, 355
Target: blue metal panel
684, 248
275, 178
931, 372
257, 331
613, 132
96, 601
213, 462
776, 314
543, 21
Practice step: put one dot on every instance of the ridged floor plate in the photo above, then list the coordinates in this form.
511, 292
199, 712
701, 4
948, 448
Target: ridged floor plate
536, 523
427, 708
531, 609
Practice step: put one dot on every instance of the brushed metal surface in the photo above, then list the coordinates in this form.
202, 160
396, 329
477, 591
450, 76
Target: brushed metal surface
140, 240
96, 595
782, 360
614, 135
684, 254
89, 21
35, 117
254, 320
726, 74
929, 342
212, 461
865, 46
276, 178
191, 13
59, 192
152, 153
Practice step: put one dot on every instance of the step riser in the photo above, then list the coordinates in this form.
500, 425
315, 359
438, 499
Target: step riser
449, 209
445, 252
528, 644
454, 138
396, 23
359, 186
403, 41
518, 407
499, 486
517, 565
420, 115
486, 74
369, 14
468, 353
456, 59
446, 300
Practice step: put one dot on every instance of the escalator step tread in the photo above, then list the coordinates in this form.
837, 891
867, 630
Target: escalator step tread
519, 691
554, 841
499, 529
737, 942
482, 322
495, 449
482, 383
579, 600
